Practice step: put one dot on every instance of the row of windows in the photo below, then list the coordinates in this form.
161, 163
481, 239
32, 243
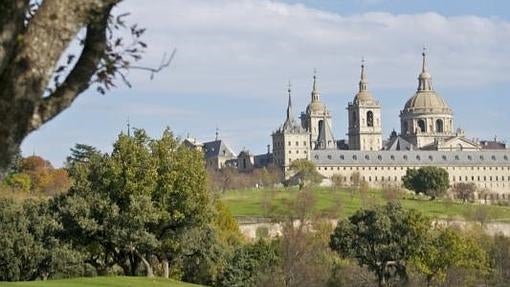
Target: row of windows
418, 157
454, 179
496, 168
289, 143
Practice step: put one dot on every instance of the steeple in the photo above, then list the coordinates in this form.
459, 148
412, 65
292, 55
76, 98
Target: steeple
289, 106
363, 81
425, 79
315, 90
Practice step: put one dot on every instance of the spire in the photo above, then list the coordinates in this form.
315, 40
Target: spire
425, 79
217, 133
128, 127
424, 56
363, 79
315, 90
289, 106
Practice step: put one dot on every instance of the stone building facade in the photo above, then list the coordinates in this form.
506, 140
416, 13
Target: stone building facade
427, 138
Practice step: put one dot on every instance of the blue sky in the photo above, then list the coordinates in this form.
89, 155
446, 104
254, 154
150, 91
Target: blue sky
235, 57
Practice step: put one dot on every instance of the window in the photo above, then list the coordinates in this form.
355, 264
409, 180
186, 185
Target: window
354, 157
444, 157
297, 143
370, 119
379, 157
392, 157
421, 125
367, 157
342, 157
405, 157
418, 157
439, 126
288, 143
329, 156
431, 157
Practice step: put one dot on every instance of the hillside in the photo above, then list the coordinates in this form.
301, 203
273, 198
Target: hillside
342, 202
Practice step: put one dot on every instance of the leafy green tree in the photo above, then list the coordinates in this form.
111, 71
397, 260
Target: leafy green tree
446, 248
29, 246
81, 153
304, 172
430, 180
248, 263
132, 207
180, 194
383, 239
110, 206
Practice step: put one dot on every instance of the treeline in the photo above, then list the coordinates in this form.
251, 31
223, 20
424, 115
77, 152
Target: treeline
145, 209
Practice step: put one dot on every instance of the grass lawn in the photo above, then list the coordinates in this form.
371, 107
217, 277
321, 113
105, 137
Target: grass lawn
343, 202
103, 282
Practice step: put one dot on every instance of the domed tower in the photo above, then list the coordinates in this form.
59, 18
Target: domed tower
317, 121
426, 118
365, 128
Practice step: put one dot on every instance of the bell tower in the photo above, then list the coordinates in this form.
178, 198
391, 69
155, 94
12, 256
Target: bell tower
365, 127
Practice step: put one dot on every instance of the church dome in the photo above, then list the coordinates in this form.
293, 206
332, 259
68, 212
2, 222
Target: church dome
365, 97
315, 107
426, 101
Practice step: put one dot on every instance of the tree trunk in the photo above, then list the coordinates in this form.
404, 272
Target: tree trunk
146, 263
166, 268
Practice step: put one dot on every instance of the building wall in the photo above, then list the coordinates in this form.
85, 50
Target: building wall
288, 147
493, 173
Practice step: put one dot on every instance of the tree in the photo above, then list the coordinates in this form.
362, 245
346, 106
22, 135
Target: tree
430, 180
446, 248
384, 239
304, 172
248, 263
29, 245
34, 37
134, 207
464, 191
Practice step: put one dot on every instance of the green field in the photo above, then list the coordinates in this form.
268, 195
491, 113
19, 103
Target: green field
342, 202
103, 282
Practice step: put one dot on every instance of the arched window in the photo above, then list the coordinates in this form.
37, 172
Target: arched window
421, 125
439, 126
370, 119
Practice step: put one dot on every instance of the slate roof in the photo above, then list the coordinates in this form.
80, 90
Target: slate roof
217, 148
411, 158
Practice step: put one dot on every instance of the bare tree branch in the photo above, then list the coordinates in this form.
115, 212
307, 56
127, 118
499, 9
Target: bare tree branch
165, 63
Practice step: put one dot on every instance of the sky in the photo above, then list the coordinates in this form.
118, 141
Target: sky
235, 58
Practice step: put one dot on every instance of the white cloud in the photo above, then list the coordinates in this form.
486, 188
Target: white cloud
251, 47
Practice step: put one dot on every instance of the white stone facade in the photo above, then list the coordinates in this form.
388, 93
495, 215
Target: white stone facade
427, 138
